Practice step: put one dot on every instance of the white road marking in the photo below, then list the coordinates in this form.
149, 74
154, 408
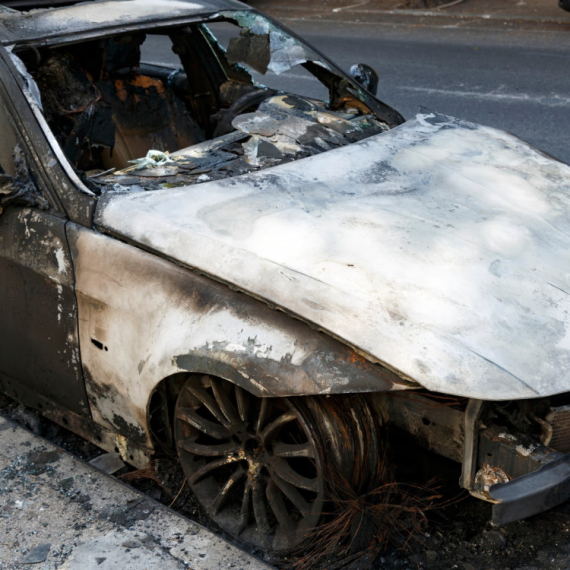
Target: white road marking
350, 7
547, 100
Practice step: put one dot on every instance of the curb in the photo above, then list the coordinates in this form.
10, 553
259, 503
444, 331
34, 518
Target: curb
65, 514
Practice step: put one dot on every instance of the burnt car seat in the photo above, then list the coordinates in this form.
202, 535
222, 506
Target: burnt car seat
104, 111
146, 113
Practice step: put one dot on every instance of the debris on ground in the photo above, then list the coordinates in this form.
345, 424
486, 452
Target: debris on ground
108, 463
457, 536
37, 554
57, 512
152, 472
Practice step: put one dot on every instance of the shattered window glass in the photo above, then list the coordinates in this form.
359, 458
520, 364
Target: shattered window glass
272, 60
157, 109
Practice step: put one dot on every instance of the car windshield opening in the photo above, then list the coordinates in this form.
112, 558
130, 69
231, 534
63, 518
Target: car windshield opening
204, 101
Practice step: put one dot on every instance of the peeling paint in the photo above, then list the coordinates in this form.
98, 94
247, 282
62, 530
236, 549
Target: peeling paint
508, 437
31, 84
42, 310
525, 451
61, 261
74, 20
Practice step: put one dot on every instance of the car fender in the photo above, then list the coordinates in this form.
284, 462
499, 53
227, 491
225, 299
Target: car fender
143, 318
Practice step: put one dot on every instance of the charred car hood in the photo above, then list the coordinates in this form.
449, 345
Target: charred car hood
440, 249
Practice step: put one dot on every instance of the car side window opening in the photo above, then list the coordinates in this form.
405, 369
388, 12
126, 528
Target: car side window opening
243, 95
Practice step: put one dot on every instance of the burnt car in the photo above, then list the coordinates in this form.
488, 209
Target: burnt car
260, 278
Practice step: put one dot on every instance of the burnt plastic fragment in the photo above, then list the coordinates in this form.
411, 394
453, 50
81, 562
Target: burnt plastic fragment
251, 49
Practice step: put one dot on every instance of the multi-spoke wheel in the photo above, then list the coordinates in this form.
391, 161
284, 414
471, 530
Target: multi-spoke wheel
255, 464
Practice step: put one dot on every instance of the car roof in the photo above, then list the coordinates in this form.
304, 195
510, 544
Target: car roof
31, 4
88, 19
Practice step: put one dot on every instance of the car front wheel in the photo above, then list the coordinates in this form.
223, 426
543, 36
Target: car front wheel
259, 466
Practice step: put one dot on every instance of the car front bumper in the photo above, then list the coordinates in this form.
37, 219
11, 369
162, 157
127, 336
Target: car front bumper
533, 493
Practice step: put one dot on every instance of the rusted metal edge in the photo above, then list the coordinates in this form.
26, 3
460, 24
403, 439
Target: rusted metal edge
95, 433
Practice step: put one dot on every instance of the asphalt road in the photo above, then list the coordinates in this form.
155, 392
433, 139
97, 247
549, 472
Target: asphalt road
516, 81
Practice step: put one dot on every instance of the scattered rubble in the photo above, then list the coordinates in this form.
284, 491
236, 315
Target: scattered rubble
108, 463
59, 513
37, 554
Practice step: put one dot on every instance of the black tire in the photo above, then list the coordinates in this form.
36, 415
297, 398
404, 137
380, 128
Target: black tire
564, 4
260, 466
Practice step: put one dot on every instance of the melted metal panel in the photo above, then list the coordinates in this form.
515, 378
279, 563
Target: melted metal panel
143, 319
439, 248
89, 17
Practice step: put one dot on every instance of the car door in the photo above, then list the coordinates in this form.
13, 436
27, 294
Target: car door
39, 347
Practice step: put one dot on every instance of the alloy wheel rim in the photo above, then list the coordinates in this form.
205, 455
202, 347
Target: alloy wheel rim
252, 463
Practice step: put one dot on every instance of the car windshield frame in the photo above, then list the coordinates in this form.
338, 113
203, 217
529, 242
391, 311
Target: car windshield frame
79, 36
386, 113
